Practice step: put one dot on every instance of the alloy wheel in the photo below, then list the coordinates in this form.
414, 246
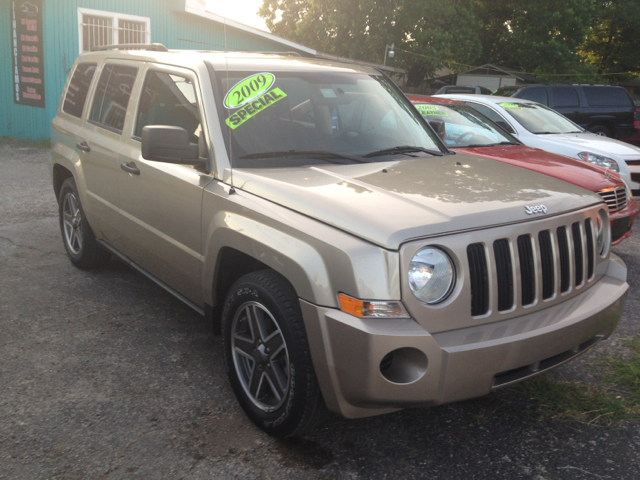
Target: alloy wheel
260, 356
73, 229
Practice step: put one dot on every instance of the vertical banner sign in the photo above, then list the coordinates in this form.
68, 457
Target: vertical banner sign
28, 60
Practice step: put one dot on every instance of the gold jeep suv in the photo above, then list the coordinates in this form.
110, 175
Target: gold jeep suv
309, 213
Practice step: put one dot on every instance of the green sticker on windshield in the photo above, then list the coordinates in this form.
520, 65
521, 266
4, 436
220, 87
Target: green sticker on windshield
255, 107
429, 110
248, 89
510, 106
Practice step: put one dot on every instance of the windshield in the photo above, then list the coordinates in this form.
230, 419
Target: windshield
539, 119
313, 118
460, 126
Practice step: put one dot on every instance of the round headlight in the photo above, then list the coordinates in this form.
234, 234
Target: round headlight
431, 275
602, 232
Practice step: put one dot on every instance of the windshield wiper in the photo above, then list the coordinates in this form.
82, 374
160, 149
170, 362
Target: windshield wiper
403, 149
487, 144
557, 133
318, 154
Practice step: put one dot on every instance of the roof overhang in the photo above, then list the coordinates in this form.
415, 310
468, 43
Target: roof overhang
198, 7
378, 66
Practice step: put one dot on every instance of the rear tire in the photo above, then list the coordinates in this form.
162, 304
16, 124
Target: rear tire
601, 130
77, 236
267, 354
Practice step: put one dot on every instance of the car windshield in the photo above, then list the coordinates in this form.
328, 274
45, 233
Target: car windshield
539, 119
288, 119
460, 126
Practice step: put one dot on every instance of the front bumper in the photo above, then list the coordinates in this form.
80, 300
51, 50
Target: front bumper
430, 369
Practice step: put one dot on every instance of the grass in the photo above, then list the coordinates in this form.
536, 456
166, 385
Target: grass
42, 144
626, 373
593, 405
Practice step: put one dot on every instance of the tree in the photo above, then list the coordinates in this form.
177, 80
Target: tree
535, 35
614, 41
436, 30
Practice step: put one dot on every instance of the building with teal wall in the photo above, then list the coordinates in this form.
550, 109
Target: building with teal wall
61, 28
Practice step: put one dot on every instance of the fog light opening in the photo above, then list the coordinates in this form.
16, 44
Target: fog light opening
404, 365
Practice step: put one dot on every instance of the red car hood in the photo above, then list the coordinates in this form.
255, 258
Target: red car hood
582, 174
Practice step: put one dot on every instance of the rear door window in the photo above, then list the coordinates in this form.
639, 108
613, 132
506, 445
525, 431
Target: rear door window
112, 97
565, 97
76, 95
537, 94
601, 96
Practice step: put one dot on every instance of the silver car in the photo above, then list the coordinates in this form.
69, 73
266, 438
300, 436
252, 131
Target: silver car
309, 213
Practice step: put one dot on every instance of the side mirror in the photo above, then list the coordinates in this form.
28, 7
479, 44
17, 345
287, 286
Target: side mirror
438, 126
163, 143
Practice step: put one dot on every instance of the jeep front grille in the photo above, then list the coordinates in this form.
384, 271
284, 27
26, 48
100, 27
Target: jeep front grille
565, 250
615, 198
565, 264
502, 252
527, 270
479, 279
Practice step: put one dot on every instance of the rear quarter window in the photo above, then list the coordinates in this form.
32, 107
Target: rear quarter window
76, 95
565, 97
607, 96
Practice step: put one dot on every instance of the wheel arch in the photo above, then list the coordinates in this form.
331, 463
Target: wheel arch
232, 253
59, 175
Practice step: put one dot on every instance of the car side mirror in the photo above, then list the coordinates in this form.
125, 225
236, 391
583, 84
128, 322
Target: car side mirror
438, 126
168, 144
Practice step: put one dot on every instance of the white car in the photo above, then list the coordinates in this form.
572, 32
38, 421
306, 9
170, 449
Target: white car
538, 126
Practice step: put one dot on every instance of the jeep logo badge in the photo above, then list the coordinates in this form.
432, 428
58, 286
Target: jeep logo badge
538, 209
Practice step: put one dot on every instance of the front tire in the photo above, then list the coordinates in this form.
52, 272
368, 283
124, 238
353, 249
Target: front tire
77, 236
601, 130
267, 354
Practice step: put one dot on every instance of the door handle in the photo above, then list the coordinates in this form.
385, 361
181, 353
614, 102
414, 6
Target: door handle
130, 168
84, 146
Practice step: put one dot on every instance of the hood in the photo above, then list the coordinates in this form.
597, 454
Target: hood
392, 202
590, 142
582, 174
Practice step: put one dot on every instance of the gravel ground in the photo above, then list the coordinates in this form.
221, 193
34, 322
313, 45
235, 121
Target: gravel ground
104, 375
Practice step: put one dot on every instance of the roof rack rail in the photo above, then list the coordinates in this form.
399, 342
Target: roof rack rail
291, 54
154, 47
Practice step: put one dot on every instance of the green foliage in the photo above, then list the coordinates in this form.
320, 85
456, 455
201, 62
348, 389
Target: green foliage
614, 42
360, 29
626, 373
534, 35
577, 402
576, 37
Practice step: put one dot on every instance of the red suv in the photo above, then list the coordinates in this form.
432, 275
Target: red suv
463, 128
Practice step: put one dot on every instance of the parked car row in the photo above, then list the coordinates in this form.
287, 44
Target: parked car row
462, 127
347, 253
602, 109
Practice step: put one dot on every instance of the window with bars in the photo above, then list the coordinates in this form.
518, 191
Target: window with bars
98, 28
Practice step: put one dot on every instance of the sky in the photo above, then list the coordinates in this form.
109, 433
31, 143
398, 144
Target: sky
243, 11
